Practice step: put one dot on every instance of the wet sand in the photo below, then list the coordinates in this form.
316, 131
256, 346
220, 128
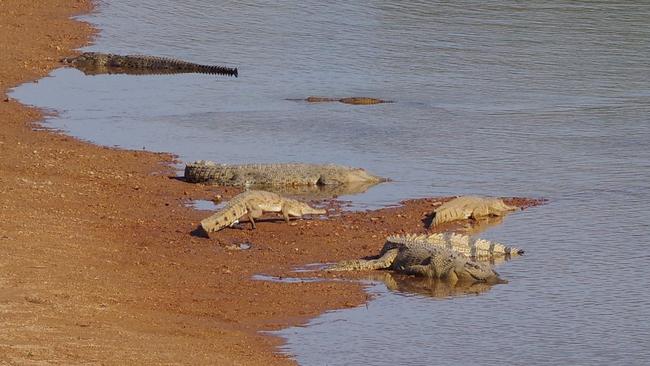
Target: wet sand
98, 260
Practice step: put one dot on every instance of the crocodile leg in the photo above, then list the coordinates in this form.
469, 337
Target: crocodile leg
383, 262
250, 218
285, 213
253, 212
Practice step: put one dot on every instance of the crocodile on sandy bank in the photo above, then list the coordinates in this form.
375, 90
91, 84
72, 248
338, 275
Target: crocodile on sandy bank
470, 207
253, 204
288, 174
422, 258
347, 100
107, 63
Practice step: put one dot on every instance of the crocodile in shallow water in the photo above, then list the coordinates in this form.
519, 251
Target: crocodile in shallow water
253, 204
422, 258
471, 247
347, 100
107, 63
288, 174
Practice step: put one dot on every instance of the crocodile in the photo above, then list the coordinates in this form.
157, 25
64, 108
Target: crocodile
347, 100
287, 174
108, 63
253, 204
470, 207
471, 247
421, 258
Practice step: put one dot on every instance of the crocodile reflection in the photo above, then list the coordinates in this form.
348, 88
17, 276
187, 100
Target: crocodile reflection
430, 287
321, 192
474, 227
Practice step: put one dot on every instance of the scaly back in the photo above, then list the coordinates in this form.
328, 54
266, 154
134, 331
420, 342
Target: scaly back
438, 261
275, 174
467, 245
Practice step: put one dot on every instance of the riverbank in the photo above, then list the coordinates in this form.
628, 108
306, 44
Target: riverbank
97, 259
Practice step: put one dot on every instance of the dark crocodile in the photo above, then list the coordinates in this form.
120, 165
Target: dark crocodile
414, 256
106, 63
284, 174
347, 100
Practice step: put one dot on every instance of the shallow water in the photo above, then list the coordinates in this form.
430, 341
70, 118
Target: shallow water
500, 98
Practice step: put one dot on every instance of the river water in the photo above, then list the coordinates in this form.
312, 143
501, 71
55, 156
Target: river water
546, 99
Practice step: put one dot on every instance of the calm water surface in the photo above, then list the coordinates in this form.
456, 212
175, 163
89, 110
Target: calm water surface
550, 99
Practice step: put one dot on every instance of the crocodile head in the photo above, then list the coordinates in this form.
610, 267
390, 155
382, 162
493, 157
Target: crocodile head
297, 209
351, 176
87, 59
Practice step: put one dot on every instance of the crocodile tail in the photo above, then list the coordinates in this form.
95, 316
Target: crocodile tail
225, 217
219, 220
482, 245
200, 171
447, 215
198, 68
172, 64
219, 70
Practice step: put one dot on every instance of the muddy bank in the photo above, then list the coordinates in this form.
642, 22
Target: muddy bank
97, 258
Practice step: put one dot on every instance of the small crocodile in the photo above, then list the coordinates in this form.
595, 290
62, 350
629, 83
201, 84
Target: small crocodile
108, 63
288, 174
347, 100
253, 204
421, 258
466, 207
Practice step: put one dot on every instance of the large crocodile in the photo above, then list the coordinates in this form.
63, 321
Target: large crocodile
422, 258
465, 244
288, 174
466, 207
108, 63
253, 204
347, 100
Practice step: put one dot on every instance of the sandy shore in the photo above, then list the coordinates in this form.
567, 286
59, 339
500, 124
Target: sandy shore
97, 259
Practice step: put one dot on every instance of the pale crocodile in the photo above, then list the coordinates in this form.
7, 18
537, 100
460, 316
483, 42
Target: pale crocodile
472, 247
288, 174
252, 205
422, 258
466, 207
107, 63
347, 100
